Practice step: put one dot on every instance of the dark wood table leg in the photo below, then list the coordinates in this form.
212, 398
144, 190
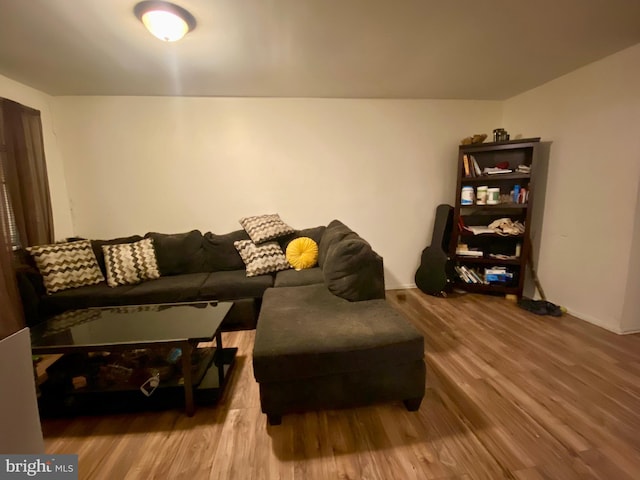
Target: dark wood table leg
219, 358
188, 378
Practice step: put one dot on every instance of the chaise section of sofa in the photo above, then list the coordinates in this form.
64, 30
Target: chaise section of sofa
327, 338
314, 350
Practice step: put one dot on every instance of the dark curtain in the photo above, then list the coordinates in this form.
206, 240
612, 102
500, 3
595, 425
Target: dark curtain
26, 206
26, 174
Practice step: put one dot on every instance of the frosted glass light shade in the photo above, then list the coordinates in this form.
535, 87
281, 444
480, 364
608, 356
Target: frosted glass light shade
164, 20
165, 25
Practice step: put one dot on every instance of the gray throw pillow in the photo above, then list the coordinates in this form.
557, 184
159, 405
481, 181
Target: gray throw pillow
314, 234
353, 271
335, 232
220, 252
179, 253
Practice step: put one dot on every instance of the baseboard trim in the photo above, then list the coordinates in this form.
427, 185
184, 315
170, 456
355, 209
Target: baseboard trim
596, 322
578, 315
629, 332
404, 286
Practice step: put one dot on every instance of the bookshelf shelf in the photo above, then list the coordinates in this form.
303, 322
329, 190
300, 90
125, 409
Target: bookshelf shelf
473, 159
485, 261
499, 206
466, 233
501, 177
491, 288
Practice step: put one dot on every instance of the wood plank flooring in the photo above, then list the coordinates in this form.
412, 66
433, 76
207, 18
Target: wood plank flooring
510, 395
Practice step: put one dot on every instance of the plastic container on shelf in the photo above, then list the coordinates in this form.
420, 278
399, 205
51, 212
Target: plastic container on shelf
466, 196
493, 196
516, 194
481, 195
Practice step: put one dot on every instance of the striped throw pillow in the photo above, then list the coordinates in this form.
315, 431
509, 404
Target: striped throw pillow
66, 265
261, 259
263, 228
130, 263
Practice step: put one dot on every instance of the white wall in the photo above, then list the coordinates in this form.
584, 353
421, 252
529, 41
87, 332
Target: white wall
592, 118
21, 431
631, 311
30, 97
138, 164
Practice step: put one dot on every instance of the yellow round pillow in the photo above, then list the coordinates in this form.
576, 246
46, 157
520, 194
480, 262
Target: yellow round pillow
302, 252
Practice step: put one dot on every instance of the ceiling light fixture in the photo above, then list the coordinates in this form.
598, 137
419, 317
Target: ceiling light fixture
164, 20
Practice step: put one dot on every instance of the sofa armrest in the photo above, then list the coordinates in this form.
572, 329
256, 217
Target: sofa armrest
29, 296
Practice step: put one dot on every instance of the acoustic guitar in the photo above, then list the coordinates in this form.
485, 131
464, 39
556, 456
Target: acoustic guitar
436, 269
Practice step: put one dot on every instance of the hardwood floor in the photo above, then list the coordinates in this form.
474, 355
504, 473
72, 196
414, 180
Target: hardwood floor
510, 395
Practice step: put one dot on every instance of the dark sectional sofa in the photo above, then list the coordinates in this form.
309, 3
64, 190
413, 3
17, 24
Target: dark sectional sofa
325, 338
193, 267
197, 267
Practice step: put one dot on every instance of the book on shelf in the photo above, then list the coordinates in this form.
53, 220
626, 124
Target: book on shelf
469, 253
469, 275
465, 162
476, 167
496, 170
476, 277
463, 275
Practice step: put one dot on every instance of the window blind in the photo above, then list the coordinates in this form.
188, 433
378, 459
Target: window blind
4, 194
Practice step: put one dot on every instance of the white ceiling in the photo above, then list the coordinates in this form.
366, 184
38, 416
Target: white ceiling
460, 49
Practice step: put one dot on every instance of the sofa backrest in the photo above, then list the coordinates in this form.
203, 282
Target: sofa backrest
97, 245
220, 252
179, 253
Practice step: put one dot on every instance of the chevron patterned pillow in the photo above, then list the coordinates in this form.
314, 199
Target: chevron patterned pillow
261, 259
66, 265
263, 228
130, 263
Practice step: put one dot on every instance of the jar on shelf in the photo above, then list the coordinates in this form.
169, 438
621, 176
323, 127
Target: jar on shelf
466, 196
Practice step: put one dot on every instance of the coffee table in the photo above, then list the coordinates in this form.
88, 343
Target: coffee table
177, 327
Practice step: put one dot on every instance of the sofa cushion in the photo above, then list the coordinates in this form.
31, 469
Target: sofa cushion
179, 252
306, 332
98, 244
294, 278
335, 232
171, 289
220, 252
232, 285
130, 263
99, 295
66, 265
262, 228
260, 259
353, 271
314, 233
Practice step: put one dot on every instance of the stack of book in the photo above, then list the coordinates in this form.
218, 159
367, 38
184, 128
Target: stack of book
471, 167
469, 275
496, 170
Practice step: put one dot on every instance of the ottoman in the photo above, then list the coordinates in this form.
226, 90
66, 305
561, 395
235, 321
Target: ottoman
314, 350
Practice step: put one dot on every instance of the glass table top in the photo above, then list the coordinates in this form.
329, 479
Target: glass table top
93, 327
